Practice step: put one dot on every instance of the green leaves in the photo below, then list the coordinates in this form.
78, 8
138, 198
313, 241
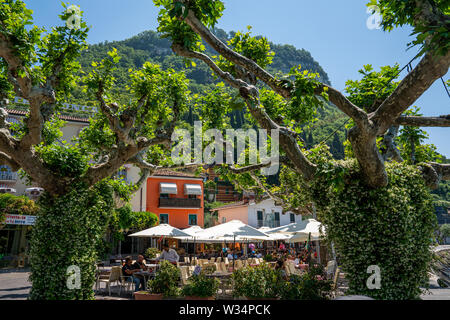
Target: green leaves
201, 286
304, 102
255, 48
15, 19
430, 35
391, 227
66, 160
67, 232
166, 280
373, 87
258, 282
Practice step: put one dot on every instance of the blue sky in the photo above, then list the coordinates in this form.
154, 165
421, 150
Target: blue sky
335, 32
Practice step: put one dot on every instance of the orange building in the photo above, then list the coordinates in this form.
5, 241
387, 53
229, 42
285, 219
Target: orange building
176, 198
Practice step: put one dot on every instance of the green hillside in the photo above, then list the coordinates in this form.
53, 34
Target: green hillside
148, 46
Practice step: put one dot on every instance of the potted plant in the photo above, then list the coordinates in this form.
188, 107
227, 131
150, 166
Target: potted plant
311, 285
201, 287
164, 285
258, 283
152, 253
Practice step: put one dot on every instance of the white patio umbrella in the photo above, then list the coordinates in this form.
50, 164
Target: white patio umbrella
299, 231
162, 230
192, 231
233, 230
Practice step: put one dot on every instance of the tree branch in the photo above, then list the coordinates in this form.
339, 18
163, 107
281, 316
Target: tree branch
413, 121
429, 69
233, 56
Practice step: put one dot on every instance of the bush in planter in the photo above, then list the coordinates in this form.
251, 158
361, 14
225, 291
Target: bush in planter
166, 280
268, 258
152, 253
309, 286
261, 282
201, 286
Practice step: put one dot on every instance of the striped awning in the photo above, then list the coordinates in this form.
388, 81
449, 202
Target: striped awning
193, 189
168, 188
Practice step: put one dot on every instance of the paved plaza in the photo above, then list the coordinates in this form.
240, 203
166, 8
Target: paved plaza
14, 285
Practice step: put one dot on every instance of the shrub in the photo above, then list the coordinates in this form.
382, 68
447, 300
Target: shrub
152, 253
390, 227
201, 286
258, 282
67, 233
309, 286
166, 280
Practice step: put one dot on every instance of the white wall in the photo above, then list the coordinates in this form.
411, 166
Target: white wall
138, 201
268, 205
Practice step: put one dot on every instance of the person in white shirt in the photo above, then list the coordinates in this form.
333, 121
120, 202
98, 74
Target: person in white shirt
230, 255
169, 254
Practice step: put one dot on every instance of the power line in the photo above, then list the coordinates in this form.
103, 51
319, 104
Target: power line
409, 68
445, 86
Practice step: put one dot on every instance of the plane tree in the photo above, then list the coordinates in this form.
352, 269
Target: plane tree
376, 207
40, 66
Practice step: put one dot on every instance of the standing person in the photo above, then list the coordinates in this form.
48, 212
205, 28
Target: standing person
169, 254
128, 270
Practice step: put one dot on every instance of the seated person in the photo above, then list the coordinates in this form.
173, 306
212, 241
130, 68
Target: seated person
281, 265
169, 254
128, 270
230, 255
140, 263
297, 260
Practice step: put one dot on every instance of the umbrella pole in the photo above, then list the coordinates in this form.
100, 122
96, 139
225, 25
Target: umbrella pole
234, 249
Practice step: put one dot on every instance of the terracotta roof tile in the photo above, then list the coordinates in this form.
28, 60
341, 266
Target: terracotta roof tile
171, 173
62, 117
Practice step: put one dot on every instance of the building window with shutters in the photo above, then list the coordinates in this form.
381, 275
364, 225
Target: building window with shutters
260, 219
277, 219
192, 219
164, 218
292, 218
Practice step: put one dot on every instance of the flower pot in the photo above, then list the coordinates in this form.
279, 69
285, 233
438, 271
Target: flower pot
140, 295
199, 298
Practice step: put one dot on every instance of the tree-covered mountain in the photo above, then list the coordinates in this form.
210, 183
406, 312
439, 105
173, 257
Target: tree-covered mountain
149, 46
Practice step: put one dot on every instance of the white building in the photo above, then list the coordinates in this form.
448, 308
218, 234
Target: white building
257, 215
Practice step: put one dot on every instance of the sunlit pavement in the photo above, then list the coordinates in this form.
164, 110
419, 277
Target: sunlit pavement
14, 285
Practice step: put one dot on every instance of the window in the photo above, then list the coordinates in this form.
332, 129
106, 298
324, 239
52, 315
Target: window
292, 218
164, 218
224, 220
164, 195
277, 219
192, 196
260, 219
192, 219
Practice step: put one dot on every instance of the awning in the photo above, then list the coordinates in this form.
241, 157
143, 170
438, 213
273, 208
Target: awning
193, 189
168, 188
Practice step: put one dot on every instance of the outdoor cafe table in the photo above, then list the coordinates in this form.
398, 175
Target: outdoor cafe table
145, 275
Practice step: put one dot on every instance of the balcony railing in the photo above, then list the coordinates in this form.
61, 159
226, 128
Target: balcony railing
179, 203
8, 176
